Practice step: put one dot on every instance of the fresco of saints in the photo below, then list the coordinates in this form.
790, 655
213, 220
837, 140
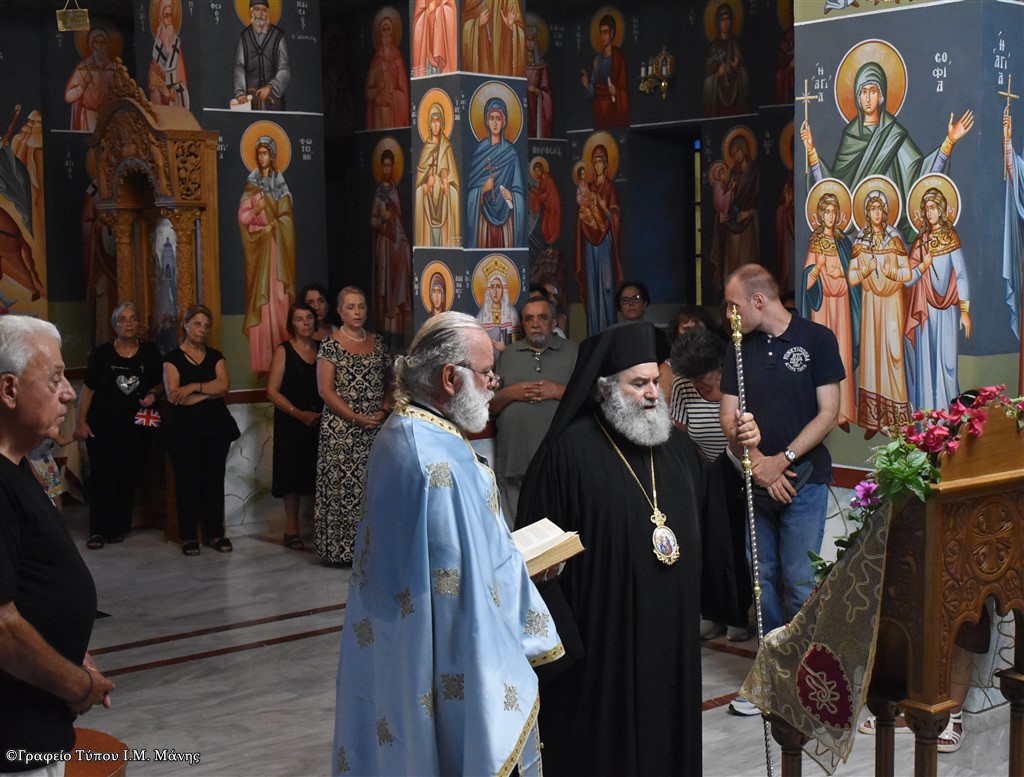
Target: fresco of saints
267, 226
497, 310
21, 205
741, 224
438, 292
880, 268
392, 256
607, 82
387, 83
1013, 235
168, 84
725, 75
496, 192
262, 69
874, 142
597, 267
434, 50
437, 288
493, 37
938, 306
437, 183
538, 81
545, 201
828, 298
92, 78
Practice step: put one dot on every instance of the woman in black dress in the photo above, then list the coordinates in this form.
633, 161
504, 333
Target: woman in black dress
291, 387
122, 383
199, 430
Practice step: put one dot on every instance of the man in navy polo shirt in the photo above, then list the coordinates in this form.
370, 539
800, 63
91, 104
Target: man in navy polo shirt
792, 371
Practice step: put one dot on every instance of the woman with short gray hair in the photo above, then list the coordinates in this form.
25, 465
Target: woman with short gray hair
116, 418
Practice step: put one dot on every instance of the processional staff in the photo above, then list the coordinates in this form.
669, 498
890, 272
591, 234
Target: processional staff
748, 486
807, 98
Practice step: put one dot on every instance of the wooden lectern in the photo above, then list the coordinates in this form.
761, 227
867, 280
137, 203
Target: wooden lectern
944, 558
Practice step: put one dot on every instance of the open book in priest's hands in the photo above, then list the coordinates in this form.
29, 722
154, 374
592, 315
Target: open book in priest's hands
543, 544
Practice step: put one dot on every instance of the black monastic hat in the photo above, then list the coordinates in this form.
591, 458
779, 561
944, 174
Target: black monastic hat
610, 351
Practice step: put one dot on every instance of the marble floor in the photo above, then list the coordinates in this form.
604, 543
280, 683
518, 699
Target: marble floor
225, 665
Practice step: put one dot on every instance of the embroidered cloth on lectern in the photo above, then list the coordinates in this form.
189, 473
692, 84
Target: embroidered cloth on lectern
814, 672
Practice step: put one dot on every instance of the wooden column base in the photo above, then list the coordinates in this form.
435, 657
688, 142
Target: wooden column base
791, 742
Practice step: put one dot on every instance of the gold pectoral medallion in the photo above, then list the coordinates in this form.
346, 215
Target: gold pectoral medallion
666, 546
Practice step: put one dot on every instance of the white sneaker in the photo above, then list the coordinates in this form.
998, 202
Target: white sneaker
711, 629
740, 706
738, 633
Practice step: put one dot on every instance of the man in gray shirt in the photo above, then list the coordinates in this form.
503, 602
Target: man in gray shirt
534, 373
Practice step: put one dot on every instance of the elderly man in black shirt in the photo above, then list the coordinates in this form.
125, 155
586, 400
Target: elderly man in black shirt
47, 596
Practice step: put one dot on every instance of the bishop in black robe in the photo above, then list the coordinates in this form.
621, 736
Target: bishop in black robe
630, 703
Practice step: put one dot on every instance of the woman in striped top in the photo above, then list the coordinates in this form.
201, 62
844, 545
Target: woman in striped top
696, 360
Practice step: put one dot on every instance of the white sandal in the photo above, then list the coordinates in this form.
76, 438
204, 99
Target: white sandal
871, 724
950, 739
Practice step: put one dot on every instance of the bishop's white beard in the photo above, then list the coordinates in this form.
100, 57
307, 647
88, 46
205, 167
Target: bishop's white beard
469, 409
260, 25
166, 36
642, 422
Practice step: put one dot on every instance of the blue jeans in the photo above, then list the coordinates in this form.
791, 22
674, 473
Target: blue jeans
783, 540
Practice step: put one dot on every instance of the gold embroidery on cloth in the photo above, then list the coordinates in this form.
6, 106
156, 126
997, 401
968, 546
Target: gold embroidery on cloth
427, 702
446, 582
843, 610
823, 693
454, 686
546, 658
342, 762
496, 594
517, 751
404, 599
384, 735
492, 502
536, 624
511, 698
430, 418
440, 475
364, 632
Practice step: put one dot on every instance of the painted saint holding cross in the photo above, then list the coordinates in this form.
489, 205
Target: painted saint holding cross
496, 196
1013, 228
871, 83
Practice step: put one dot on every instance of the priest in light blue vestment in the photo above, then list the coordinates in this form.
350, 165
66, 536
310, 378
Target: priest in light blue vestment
443, 625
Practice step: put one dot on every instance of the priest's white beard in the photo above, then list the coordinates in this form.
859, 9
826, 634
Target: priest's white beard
642, 422
469, 409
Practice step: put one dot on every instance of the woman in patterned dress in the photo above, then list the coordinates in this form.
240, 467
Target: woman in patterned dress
354, 380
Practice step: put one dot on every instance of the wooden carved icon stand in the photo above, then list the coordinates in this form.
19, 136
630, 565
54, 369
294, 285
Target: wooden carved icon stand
154, 162
944, 558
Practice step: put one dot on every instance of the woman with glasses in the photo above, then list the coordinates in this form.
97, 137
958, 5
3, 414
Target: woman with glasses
353, 374
632, 298
123, 380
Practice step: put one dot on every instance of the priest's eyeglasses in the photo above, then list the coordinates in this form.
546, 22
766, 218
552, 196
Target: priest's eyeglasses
492, 377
